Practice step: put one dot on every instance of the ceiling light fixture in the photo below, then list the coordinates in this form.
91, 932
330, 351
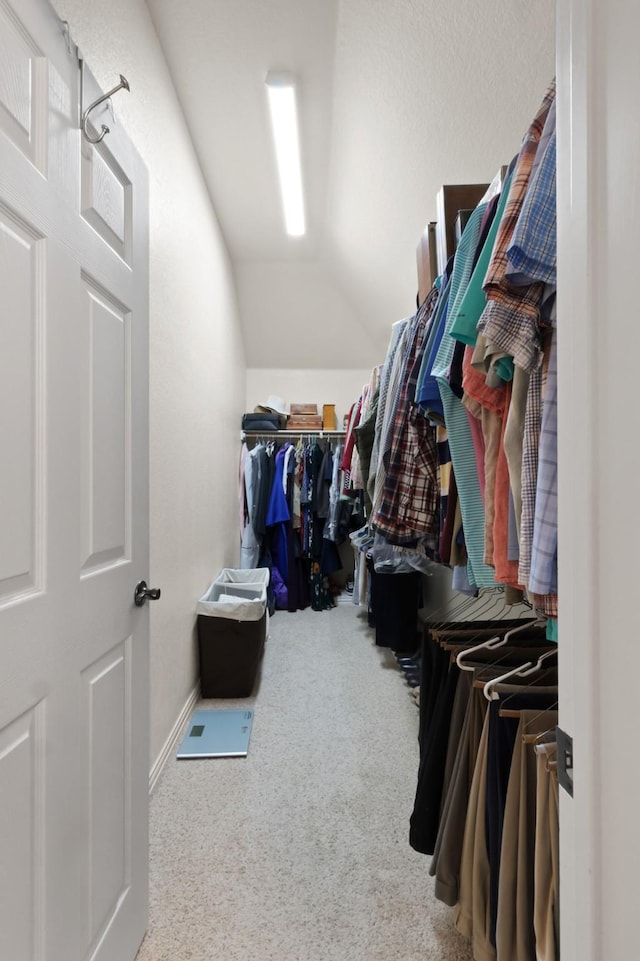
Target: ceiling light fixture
284, 120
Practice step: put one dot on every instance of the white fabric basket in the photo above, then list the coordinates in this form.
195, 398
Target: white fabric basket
236, 597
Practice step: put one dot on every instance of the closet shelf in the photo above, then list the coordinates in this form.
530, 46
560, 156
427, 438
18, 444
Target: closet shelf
291, 433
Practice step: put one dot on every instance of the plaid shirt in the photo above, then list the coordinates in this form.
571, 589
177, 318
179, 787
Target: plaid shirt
397, 332
386, 418
543, 578
532, 255
419, 486
409, 499
511, 317
546, 604
530, 445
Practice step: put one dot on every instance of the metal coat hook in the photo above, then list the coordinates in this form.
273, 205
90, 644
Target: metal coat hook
123, 85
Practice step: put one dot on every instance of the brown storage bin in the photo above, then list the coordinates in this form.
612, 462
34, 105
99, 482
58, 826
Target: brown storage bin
231, 625
230, 653
304, 422
303, 408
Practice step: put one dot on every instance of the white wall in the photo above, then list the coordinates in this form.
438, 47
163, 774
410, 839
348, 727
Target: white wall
297, 313
339, 387
197, 368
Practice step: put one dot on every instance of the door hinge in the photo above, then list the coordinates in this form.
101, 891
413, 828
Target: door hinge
565, 760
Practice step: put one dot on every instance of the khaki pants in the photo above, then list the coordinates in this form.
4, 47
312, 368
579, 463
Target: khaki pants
515, 935
447, 855
545, 908
472, 916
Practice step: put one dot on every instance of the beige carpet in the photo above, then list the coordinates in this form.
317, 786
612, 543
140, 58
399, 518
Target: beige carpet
300, 851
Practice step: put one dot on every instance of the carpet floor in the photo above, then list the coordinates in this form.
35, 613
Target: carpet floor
299, 852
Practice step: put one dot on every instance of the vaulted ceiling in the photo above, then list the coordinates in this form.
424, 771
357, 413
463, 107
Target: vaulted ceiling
396, 97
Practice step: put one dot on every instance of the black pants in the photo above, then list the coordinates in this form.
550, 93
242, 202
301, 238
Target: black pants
425, 817
395, 602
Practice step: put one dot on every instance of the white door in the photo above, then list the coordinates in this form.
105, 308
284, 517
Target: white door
599, 472
73, 513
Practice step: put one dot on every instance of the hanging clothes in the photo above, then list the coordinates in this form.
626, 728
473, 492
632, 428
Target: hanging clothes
276, 521
408, 493
459, 460
476, 802
510, 320
250, 546
460, 438
397, 332
298, 574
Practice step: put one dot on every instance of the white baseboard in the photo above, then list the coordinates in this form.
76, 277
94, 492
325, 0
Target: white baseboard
171, 743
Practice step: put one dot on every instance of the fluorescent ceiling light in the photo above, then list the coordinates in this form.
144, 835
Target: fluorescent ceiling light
284, 119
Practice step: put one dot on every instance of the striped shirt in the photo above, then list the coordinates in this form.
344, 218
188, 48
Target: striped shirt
531, 441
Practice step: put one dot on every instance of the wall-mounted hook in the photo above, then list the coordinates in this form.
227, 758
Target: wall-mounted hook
66, 32
123, 85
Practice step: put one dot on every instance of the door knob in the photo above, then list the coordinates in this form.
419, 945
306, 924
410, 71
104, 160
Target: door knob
143, 593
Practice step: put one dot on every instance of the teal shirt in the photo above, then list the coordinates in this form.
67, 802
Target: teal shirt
464, 323
458, 430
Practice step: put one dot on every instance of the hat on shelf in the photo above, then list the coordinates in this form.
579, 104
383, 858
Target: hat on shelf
273, 405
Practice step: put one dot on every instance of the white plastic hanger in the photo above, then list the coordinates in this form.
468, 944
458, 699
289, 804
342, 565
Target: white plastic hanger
494, 642
489, 645
523, 671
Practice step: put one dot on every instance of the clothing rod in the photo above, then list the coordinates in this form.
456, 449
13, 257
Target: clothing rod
292, 433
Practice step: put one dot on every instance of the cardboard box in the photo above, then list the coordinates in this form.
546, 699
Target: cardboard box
329, 417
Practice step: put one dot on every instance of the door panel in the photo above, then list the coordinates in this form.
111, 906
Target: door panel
107, 198
106, 475
74, 762
22, 799
107, 695
23, 87
21, 365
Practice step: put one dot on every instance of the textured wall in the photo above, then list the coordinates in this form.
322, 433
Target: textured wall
197, 388
426, 92
299, 317
396, 98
